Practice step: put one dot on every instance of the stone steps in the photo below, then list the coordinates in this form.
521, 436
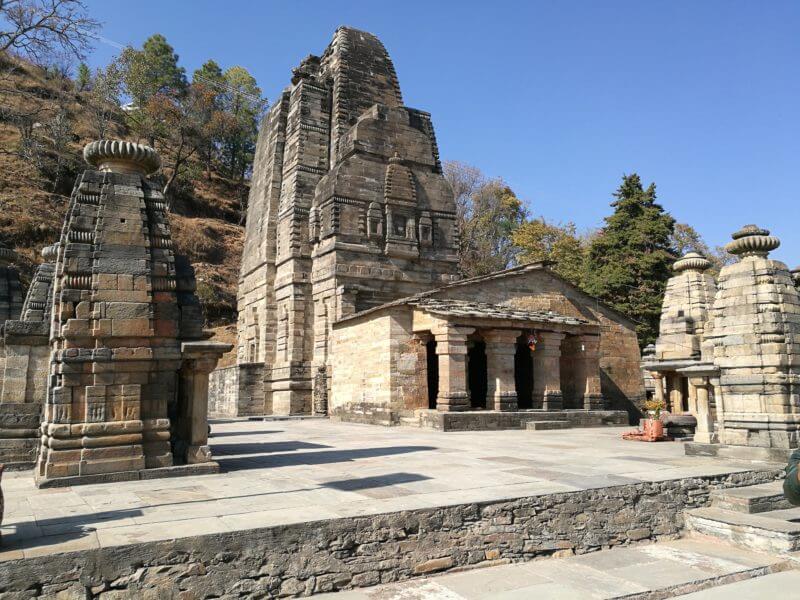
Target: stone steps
771, 531
667, 569
751, 499
547, 425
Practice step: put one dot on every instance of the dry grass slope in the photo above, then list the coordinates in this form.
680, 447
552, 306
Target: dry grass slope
205, 219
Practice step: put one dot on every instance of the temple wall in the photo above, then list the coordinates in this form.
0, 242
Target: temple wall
362, 388
236, 391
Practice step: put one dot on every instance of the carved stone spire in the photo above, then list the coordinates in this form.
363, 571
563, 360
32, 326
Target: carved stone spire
691, 261
752, 240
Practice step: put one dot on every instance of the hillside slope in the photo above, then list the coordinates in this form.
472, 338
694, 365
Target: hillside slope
205, 215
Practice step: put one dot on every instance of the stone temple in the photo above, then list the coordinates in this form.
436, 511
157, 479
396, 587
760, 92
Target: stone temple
106, 369
349, 212
729, 350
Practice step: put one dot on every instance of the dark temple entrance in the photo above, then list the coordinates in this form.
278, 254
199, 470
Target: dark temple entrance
432, 362
476, 370
523, 373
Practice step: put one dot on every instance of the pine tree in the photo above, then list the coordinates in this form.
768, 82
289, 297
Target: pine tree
84, 77
630, 261
152, 70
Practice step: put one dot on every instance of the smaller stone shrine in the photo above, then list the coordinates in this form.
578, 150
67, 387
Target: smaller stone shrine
11, 295
676, 357
23, 386
109, 352
734, 361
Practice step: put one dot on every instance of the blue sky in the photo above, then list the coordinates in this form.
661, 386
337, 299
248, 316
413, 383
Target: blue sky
557, 98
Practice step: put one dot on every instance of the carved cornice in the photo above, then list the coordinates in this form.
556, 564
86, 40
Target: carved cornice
122, 157
752, 240
692, 261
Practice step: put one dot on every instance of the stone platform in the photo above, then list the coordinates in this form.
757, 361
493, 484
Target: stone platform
495, 420
747, 453
357, 505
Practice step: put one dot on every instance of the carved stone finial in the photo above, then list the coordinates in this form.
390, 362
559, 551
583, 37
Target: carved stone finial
50, 253
752, 240
691, 261
122, 157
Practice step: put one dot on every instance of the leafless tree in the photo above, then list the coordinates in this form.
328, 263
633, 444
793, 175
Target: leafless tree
36, 29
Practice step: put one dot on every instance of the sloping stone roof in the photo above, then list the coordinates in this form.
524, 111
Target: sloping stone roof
484, 310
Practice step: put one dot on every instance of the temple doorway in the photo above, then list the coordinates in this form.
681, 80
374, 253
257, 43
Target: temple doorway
476, 374
523, 373
432, 372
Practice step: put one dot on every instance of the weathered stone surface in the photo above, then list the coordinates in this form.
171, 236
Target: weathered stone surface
584, 355
295, 560
348, 209
742, 386
24, 359
754, 341
127, 388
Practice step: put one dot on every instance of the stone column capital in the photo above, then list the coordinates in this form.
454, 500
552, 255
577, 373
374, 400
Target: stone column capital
451, 339
501, 337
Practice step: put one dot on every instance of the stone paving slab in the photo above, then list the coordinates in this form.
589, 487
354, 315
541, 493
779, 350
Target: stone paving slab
283, 472
777, 586
622, 572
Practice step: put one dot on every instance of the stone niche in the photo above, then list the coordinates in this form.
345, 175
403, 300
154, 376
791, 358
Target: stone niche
127, 360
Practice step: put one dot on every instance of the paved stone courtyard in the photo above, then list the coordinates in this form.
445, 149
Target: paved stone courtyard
281, 472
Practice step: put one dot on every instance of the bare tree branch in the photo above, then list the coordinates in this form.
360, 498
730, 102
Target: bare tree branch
38, 29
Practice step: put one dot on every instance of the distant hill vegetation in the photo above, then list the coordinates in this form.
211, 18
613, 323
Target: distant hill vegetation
205, 129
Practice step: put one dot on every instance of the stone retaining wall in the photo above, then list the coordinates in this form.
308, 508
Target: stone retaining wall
305, 558
236, 391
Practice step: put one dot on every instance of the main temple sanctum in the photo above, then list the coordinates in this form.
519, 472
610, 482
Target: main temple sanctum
350, 302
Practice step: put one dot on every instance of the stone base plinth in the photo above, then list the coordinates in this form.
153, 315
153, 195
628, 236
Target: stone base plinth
485, 420
726, 451
205, 468
19, 435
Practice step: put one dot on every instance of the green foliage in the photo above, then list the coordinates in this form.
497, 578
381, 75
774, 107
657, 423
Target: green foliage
539, 240
488, 213
685, 239
630, 261
103, 98
152, 70
83, 78
232, 124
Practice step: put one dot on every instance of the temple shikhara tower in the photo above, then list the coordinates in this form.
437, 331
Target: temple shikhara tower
348, 209
108, 353
349, 213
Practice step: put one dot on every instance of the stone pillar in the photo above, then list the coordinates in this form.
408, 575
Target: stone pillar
658, 377
191, 426
451, 348
704, 431
501, 346
547, 371
691, 400
588, 376
675, 393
